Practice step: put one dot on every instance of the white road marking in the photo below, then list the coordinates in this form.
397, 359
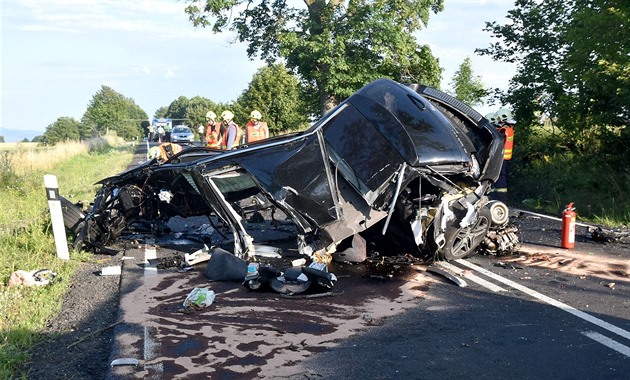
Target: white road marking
610, 343
569, 309
476, 279
150, 254
151, 346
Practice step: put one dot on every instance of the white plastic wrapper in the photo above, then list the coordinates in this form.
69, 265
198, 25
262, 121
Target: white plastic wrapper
200, 297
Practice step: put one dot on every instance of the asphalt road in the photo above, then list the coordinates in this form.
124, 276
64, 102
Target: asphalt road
545, 312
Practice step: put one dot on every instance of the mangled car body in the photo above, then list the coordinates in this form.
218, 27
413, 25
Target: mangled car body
408, 167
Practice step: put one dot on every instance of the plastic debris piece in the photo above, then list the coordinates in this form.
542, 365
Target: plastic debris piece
115, 270
36, 277
458, 281
199, 256
200, 297
298, 262
124, 361
267, 251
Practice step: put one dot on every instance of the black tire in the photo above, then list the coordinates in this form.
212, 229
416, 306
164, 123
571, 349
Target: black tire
462, 241
73, 216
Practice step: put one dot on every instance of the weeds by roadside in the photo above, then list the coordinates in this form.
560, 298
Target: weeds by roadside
26, 240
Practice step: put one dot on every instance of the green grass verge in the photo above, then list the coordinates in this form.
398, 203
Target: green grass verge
600, 191
27, 243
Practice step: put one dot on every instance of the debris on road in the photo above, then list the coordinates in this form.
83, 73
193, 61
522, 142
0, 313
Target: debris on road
456, 280
114, 270
124, 361
200, 298
619, 235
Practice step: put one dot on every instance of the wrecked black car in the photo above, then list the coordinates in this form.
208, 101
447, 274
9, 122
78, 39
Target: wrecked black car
408, 168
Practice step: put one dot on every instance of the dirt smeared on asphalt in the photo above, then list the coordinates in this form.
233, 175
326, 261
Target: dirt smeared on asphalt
257, 334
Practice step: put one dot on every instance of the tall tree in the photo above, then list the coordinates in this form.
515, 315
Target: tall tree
467, 87
277, 94
336, 46
64, 129
111, 111
177, 110
197, 108
573, 60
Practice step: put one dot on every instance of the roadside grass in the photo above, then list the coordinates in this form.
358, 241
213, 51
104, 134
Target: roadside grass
26, 240
599, 189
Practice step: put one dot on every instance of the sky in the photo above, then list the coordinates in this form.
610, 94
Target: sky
56, 54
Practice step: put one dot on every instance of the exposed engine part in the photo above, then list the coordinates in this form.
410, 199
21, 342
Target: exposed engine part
500, 213
501, 241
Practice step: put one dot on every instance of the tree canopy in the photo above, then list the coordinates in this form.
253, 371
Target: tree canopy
111, 111
573, 64
466, 86
64, 129
277, 94
335, 46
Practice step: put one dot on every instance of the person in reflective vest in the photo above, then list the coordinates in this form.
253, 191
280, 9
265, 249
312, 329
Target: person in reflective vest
255, 129
505, 126
232, 134
213, 131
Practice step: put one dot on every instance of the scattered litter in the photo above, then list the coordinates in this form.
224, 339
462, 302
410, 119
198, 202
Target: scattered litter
125, 361
114, 270
127, 258
317, 295
199, 297
198, 256
37, 277
619, 234
293, 281
501, 264
458, 281
611, 285
298, 262
174, 261
267, 251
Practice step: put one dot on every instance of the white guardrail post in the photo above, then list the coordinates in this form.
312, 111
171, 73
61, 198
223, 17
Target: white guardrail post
56, 216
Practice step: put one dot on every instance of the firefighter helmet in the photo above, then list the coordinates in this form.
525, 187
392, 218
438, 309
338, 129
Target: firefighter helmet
211, 115
255, 115
227, 115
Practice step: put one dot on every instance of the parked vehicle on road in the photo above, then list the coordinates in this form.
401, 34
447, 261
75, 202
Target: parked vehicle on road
181, 134
405, 167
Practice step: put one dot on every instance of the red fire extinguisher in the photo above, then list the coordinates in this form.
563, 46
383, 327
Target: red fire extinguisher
568, 227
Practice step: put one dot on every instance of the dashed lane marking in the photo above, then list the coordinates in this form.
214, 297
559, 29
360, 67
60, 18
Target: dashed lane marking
150, 254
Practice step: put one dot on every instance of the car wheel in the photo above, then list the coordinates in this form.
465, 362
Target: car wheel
462, 241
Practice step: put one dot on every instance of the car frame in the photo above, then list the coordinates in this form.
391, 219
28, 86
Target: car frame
406, 165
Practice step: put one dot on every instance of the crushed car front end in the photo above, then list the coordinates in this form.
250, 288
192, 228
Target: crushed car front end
406, 167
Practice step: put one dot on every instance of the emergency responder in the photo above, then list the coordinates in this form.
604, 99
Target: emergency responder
232, 133
505, 126
256, 130
213, 131
160, 132
167, 132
